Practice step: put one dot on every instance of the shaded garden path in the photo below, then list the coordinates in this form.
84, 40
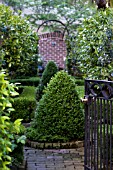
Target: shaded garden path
54, 159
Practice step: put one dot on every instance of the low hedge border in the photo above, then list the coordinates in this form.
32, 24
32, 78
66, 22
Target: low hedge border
58, 145
24, 105
79, 82
33, 81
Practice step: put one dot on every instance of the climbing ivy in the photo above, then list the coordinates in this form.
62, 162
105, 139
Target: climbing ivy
94, 45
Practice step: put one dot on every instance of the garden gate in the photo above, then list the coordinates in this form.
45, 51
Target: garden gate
98, 125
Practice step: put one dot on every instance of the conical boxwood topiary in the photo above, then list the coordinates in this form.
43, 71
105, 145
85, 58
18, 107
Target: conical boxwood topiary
59, 116
50, 70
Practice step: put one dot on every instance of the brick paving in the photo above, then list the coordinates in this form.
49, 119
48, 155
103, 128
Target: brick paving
54, 159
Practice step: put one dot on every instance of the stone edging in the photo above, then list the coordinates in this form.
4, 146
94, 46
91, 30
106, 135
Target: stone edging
68, 145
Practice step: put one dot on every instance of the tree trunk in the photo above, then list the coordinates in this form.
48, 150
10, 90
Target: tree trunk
101, 4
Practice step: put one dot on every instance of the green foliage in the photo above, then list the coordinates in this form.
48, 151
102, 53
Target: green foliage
16, 4
29, 92
80, 90
39, 92
68, 10
17, 147
24, 105
20, 89
94, 45
73, 68
79, 86
17, 154
18, 43
59, 116
32, 81
79, 82
31, 67
50, 70
9, 131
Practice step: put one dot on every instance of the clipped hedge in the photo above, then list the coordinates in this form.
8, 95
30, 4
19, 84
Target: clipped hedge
33, 81
59, 116
24, 105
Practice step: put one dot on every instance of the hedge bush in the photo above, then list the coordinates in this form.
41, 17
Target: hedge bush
59, 116
78, 81
32, 81
20, 89
25, 105
49, 71
18, 44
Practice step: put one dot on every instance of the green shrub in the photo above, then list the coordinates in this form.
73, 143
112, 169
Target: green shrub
73, 68
17, 154
32, 81
94, 45
24, 105
59, 116
39, 92
28, 92
49, 71
20, 89
18, 43
10, 132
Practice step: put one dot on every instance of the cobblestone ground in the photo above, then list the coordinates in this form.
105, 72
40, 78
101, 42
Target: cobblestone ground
54, 159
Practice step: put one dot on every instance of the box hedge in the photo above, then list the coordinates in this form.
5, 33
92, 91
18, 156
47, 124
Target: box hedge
59, 116
24, 105
33, 81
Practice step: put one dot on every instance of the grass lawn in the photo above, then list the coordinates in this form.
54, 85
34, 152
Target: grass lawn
80, 90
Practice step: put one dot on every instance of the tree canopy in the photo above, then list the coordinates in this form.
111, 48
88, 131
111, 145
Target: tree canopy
18, 43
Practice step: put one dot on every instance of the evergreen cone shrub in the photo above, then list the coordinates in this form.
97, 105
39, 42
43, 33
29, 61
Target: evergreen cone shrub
59, 116
49, 71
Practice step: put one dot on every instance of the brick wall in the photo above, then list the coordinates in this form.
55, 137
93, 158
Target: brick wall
52, 47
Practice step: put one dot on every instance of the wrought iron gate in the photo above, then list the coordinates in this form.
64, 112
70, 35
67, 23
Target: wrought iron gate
98, 125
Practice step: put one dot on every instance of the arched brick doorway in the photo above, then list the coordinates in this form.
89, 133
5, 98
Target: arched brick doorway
52, 47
